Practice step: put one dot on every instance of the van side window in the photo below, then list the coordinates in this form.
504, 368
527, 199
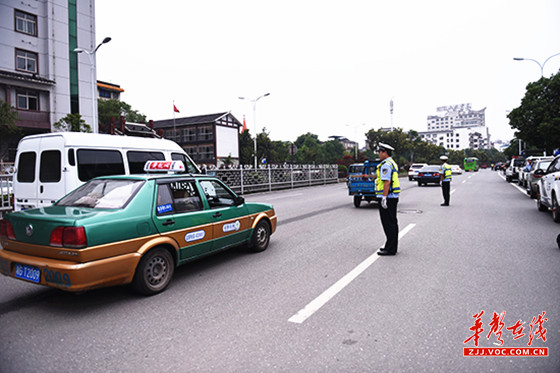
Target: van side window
26, 167
93, 163
137, 160
49, 168
191, 169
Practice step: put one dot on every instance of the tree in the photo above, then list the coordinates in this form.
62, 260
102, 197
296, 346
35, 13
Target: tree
537, 119
72, 123
246, 146
114, 109
9, 132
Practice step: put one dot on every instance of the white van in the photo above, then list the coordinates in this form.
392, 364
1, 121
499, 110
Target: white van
48, 166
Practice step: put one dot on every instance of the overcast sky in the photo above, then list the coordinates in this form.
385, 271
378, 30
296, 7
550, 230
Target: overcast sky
331, 67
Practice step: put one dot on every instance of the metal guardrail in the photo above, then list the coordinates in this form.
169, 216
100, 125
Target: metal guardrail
241, 180
249, 180
6, 193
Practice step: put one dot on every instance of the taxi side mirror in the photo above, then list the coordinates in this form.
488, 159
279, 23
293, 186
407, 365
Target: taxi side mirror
239, 201
539, 172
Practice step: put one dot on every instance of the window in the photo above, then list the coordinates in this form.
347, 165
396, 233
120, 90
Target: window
93, 163
27, 100
104, 93
190, 167
206, 152
137, 160
49, 171
26, 167
189, 134
217, 194
178, 197
26, 61
205, 133
26, 23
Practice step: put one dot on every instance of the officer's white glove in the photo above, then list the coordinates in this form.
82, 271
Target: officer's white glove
384, 202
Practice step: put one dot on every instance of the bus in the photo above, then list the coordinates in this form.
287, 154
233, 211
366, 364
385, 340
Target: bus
470, 164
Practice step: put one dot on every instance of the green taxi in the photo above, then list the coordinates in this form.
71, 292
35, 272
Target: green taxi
130, 229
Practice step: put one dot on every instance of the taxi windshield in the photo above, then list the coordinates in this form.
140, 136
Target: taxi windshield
102, 194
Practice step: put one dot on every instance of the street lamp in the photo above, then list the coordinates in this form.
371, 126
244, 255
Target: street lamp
91, 55
255, 119
537, 62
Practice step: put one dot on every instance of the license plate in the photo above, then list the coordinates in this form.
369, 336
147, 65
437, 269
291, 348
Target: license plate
28, 273
427, 174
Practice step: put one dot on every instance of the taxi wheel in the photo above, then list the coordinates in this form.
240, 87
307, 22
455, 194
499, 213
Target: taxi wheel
261, 237
154, 272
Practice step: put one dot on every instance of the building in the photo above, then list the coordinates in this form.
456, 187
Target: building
349, 145
40, 75
207, 139
108, 91
459, 128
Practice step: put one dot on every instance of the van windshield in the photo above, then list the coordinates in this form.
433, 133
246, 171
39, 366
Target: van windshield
102, 194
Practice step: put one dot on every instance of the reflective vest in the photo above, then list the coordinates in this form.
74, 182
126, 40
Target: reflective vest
446, 172
395, 187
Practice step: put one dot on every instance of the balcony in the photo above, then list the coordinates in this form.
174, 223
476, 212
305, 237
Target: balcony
33, 119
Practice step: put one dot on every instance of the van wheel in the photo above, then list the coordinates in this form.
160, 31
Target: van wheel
154, 272
357, 201
260, 238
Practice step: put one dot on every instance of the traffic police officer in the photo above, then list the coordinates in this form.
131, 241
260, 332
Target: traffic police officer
387, 190
445, 179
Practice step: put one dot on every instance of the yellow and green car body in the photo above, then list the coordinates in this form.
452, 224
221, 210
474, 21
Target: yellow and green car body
129, 229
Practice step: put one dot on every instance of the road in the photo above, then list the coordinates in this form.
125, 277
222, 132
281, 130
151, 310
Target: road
319, 299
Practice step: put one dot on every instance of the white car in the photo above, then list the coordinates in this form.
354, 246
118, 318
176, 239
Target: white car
456, 169
548, 192
413, 170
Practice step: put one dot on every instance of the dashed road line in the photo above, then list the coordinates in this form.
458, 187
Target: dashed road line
328, 294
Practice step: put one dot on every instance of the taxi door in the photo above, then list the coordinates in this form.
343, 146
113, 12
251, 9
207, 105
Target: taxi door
180, 214
230, 223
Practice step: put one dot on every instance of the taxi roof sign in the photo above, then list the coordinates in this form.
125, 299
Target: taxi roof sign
174, 166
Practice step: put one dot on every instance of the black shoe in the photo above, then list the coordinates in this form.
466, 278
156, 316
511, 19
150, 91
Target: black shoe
444, 204
385, 252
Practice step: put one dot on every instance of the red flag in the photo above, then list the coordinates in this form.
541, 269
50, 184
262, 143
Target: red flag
175, 108
244, 125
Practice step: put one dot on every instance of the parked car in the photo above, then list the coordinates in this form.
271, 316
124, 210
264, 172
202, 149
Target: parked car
527, 167
456, 169
429, 174
548, 192
134, 229
532, 179
514, 167
413, 170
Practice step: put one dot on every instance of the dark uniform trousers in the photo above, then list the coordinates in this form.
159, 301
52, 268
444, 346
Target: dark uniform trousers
445, 187
390, 224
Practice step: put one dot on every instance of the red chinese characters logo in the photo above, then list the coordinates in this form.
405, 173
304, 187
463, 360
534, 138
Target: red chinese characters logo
496, 324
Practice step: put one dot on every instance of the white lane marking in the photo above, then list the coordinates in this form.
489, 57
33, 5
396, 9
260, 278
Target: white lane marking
464, 181
453, 191
328, 294
516, 186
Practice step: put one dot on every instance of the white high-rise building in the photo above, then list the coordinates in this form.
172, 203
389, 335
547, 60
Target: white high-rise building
40, 75
458, 128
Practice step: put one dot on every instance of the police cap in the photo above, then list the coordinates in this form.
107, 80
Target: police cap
384, 147
443, 158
